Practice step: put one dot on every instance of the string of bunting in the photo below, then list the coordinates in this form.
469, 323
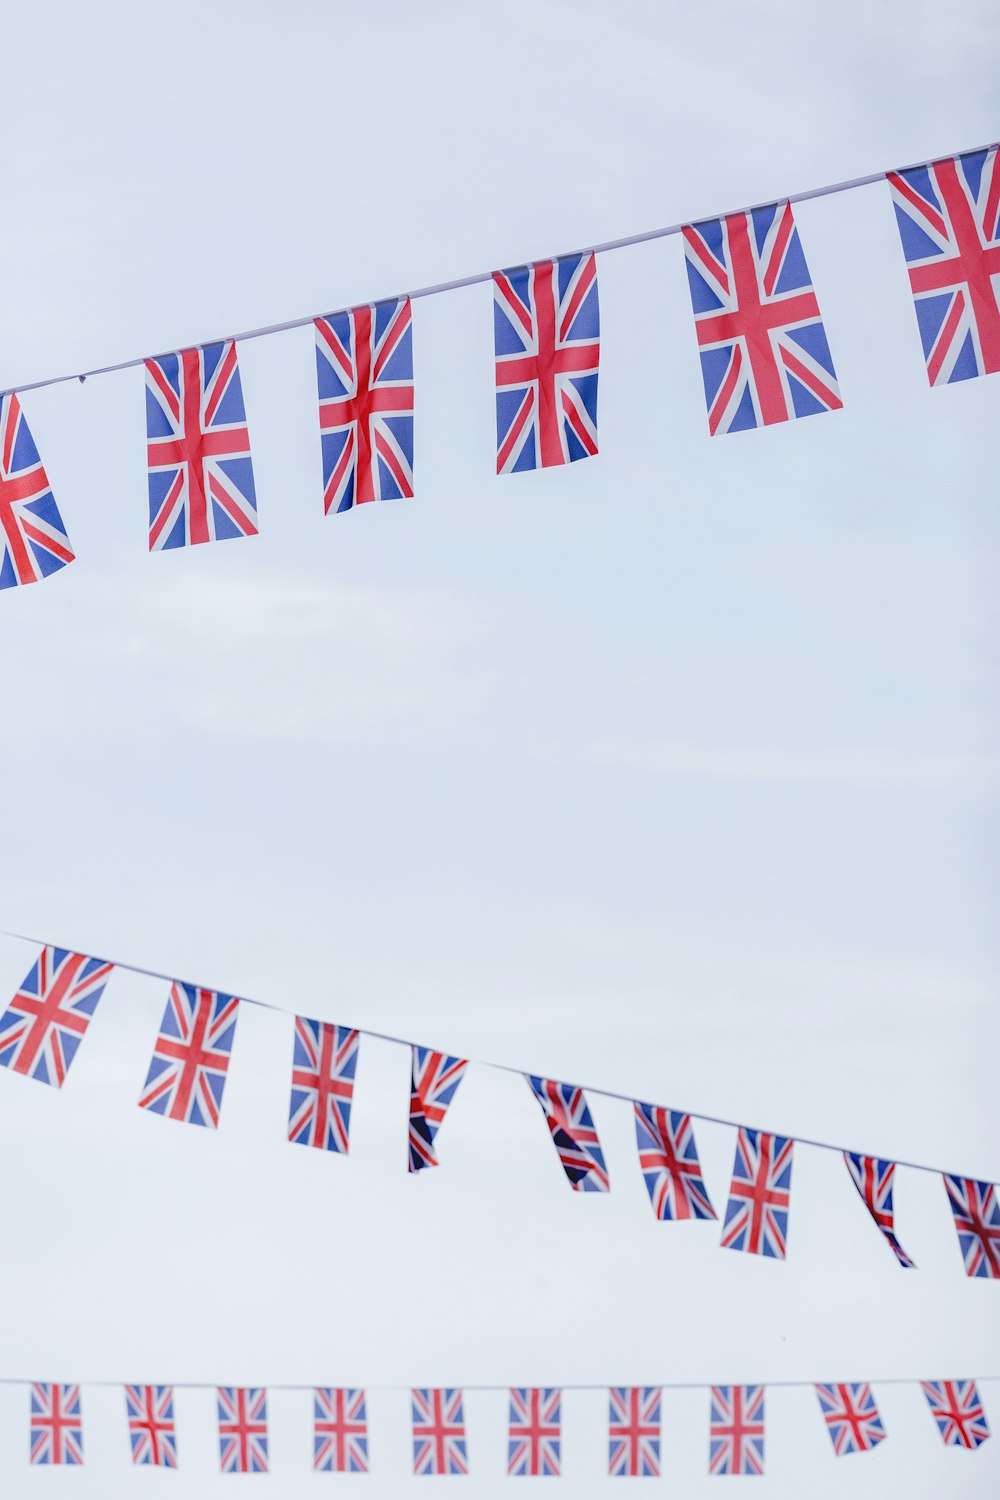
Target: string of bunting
46, 1021
761, 340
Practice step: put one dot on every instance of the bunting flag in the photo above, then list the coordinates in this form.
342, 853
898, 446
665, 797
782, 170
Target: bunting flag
151, 1430
572, 1129
757, 1214
324, 1061
851, 1416
44, 1024
669, 1161
976, 1212
187, 1072
534, 1432
56, 1424
434, 1081
546, 334
958, 1412
201, 485
340, 1431
242, 1429
948, 214
634, 1431
364, 368
736, 1430
33, 540
873, 1179
764, 352
439, 1445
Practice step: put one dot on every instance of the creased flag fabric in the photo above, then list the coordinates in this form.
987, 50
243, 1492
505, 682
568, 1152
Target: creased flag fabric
976, 1211
668, 1157
434, 1080
736, 1430
763, 348
757, 1214
851, 1416
535, 1431
546, 332
574, 1136
634, 1431
201, 486
324, 1062
340, 1431
948, 215
873, 1179
439, 1445
958, 1412
45, 1022
364, 370
187, 1072
151, 1426
242, 1429
56, 1424
33, 540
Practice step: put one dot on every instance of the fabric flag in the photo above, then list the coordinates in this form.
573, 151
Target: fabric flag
340, 1431
198, 449
187, 1072
324, 1061
948, 214
33, 540
873, 1179
242, 1429
764, 353
546, 334
572, 1129
434, 1080
535, 1431
958, 1412
45, 1022
56, 1424
439, 1445
669, 1161
634, 1431
976, 1211
151, 1430
757, 1215
364, 369
851, 1416
736, 1432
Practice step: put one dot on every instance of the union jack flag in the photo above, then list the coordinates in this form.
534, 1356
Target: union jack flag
33, 540
340, 1431
736, 1430
757, 1215
45, 1022
535, 1431
634, 1431
873, 1179
764, 354
958, 1412
571, 1127
669, 1161
151, 1431
948, 214
187, 1072
435, 1079
976, 1212
198, 449
851, 1416
242, 1429
546, 334
56, 1424
323, 1066
439, 1445
364, 366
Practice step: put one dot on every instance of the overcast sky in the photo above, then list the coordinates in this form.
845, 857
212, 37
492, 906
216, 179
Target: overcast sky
674, 771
